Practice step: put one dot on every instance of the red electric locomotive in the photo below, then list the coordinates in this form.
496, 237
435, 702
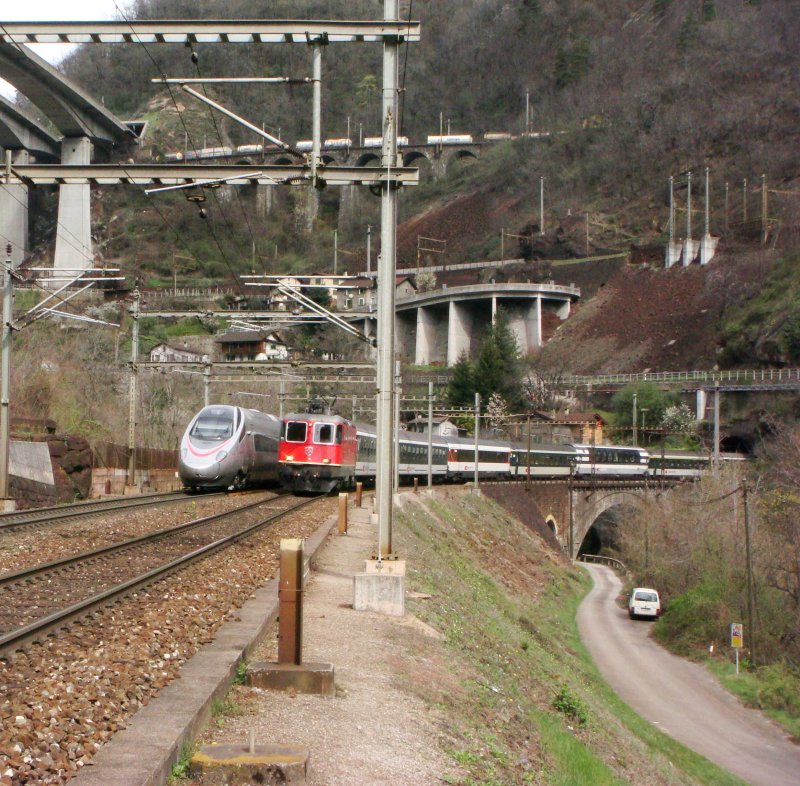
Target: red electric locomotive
317, 453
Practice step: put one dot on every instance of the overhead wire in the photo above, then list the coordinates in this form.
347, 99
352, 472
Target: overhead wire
161, 73
405, 68
80, 249
196, 62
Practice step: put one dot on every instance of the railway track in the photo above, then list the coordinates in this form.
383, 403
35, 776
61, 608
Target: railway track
39, 516
37, 600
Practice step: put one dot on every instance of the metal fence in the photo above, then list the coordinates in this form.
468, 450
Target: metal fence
111, 455
737, 376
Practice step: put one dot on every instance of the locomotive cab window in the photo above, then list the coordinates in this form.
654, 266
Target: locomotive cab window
296, 431
324, 433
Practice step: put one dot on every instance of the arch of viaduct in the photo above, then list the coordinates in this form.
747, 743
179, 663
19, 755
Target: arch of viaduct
570, 514
440, 157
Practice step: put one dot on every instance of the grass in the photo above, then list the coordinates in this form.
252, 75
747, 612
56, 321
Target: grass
181, 767
527, 704
223, 708
760, 688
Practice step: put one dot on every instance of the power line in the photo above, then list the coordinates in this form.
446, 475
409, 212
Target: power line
161, 73
405, 67
196, 62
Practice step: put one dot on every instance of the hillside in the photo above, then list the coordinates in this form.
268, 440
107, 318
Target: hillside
630, 92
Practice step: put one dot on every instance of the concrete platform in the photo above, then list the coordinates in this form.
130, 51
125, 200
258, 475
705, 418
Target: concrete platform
315, 678
224, 765
144, 753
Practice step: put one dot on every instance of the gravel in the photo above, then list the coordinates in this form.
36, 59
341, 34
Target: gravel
60, 700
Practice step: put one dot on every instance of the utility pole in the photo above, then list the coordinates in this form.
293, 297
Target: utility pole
727, 201
5, 375
398, 379
477, 433
587, 233
527, 111
688, 256
528, 473
206, 384
369, 248
749, 557
764, 210
744, 200
633, 412
716, 426
335, 251
430, 436
671, 209
386, 293
541, 205
131, 478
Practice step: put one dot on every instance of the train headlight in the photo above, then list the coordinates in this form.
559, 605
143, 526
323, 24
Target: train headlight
223, 454
326, 461
289, 458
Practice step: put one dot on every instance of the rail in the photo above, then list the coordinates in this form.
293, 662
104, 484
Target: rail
88, 508
20, 637
603, 560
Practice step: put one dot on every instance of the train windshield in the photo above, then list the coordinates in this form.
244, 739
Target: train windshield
296, 431
324, 433
213, 426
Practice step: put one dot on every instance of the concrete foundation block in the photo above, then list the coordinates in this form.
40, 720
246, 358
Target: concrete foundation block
386, 567
235, 765
380, 592
316, 678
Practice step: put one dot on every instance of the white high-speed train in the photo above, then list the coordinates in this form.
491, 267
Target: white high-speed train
229, 447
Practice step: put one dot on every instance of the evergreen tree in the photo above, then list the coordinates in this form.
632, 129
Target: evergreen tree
660, 7
709, 10
498, 367
461, 390
688, 34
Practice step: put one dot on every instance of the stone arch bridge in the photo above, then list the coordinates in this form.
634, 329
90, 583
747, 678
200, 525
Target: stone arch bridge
573, 510
439, 156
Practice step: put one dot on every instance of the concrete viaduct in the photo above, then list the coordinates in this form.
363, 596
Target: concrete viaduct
85, 125
571, 512
437, 326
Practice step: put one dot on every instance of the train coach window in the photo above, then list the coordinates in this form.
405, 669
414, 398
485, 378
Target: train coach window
323, 433
296, 431
338, 435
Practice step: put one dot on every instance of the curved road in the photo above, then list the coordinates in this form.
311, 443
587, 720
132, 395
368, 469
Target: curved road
680, 697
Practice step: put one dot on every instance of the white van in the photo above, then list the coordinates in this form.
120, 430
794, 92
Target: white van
644, 602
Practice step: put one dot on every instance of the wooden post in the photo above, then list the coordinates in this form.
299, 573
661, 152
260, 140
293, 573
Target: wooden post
342, 514
290, 605
359, 492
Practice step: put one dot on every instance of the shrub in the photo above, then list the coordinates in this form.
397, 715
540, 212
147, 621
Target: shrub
570, 705
698, 616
